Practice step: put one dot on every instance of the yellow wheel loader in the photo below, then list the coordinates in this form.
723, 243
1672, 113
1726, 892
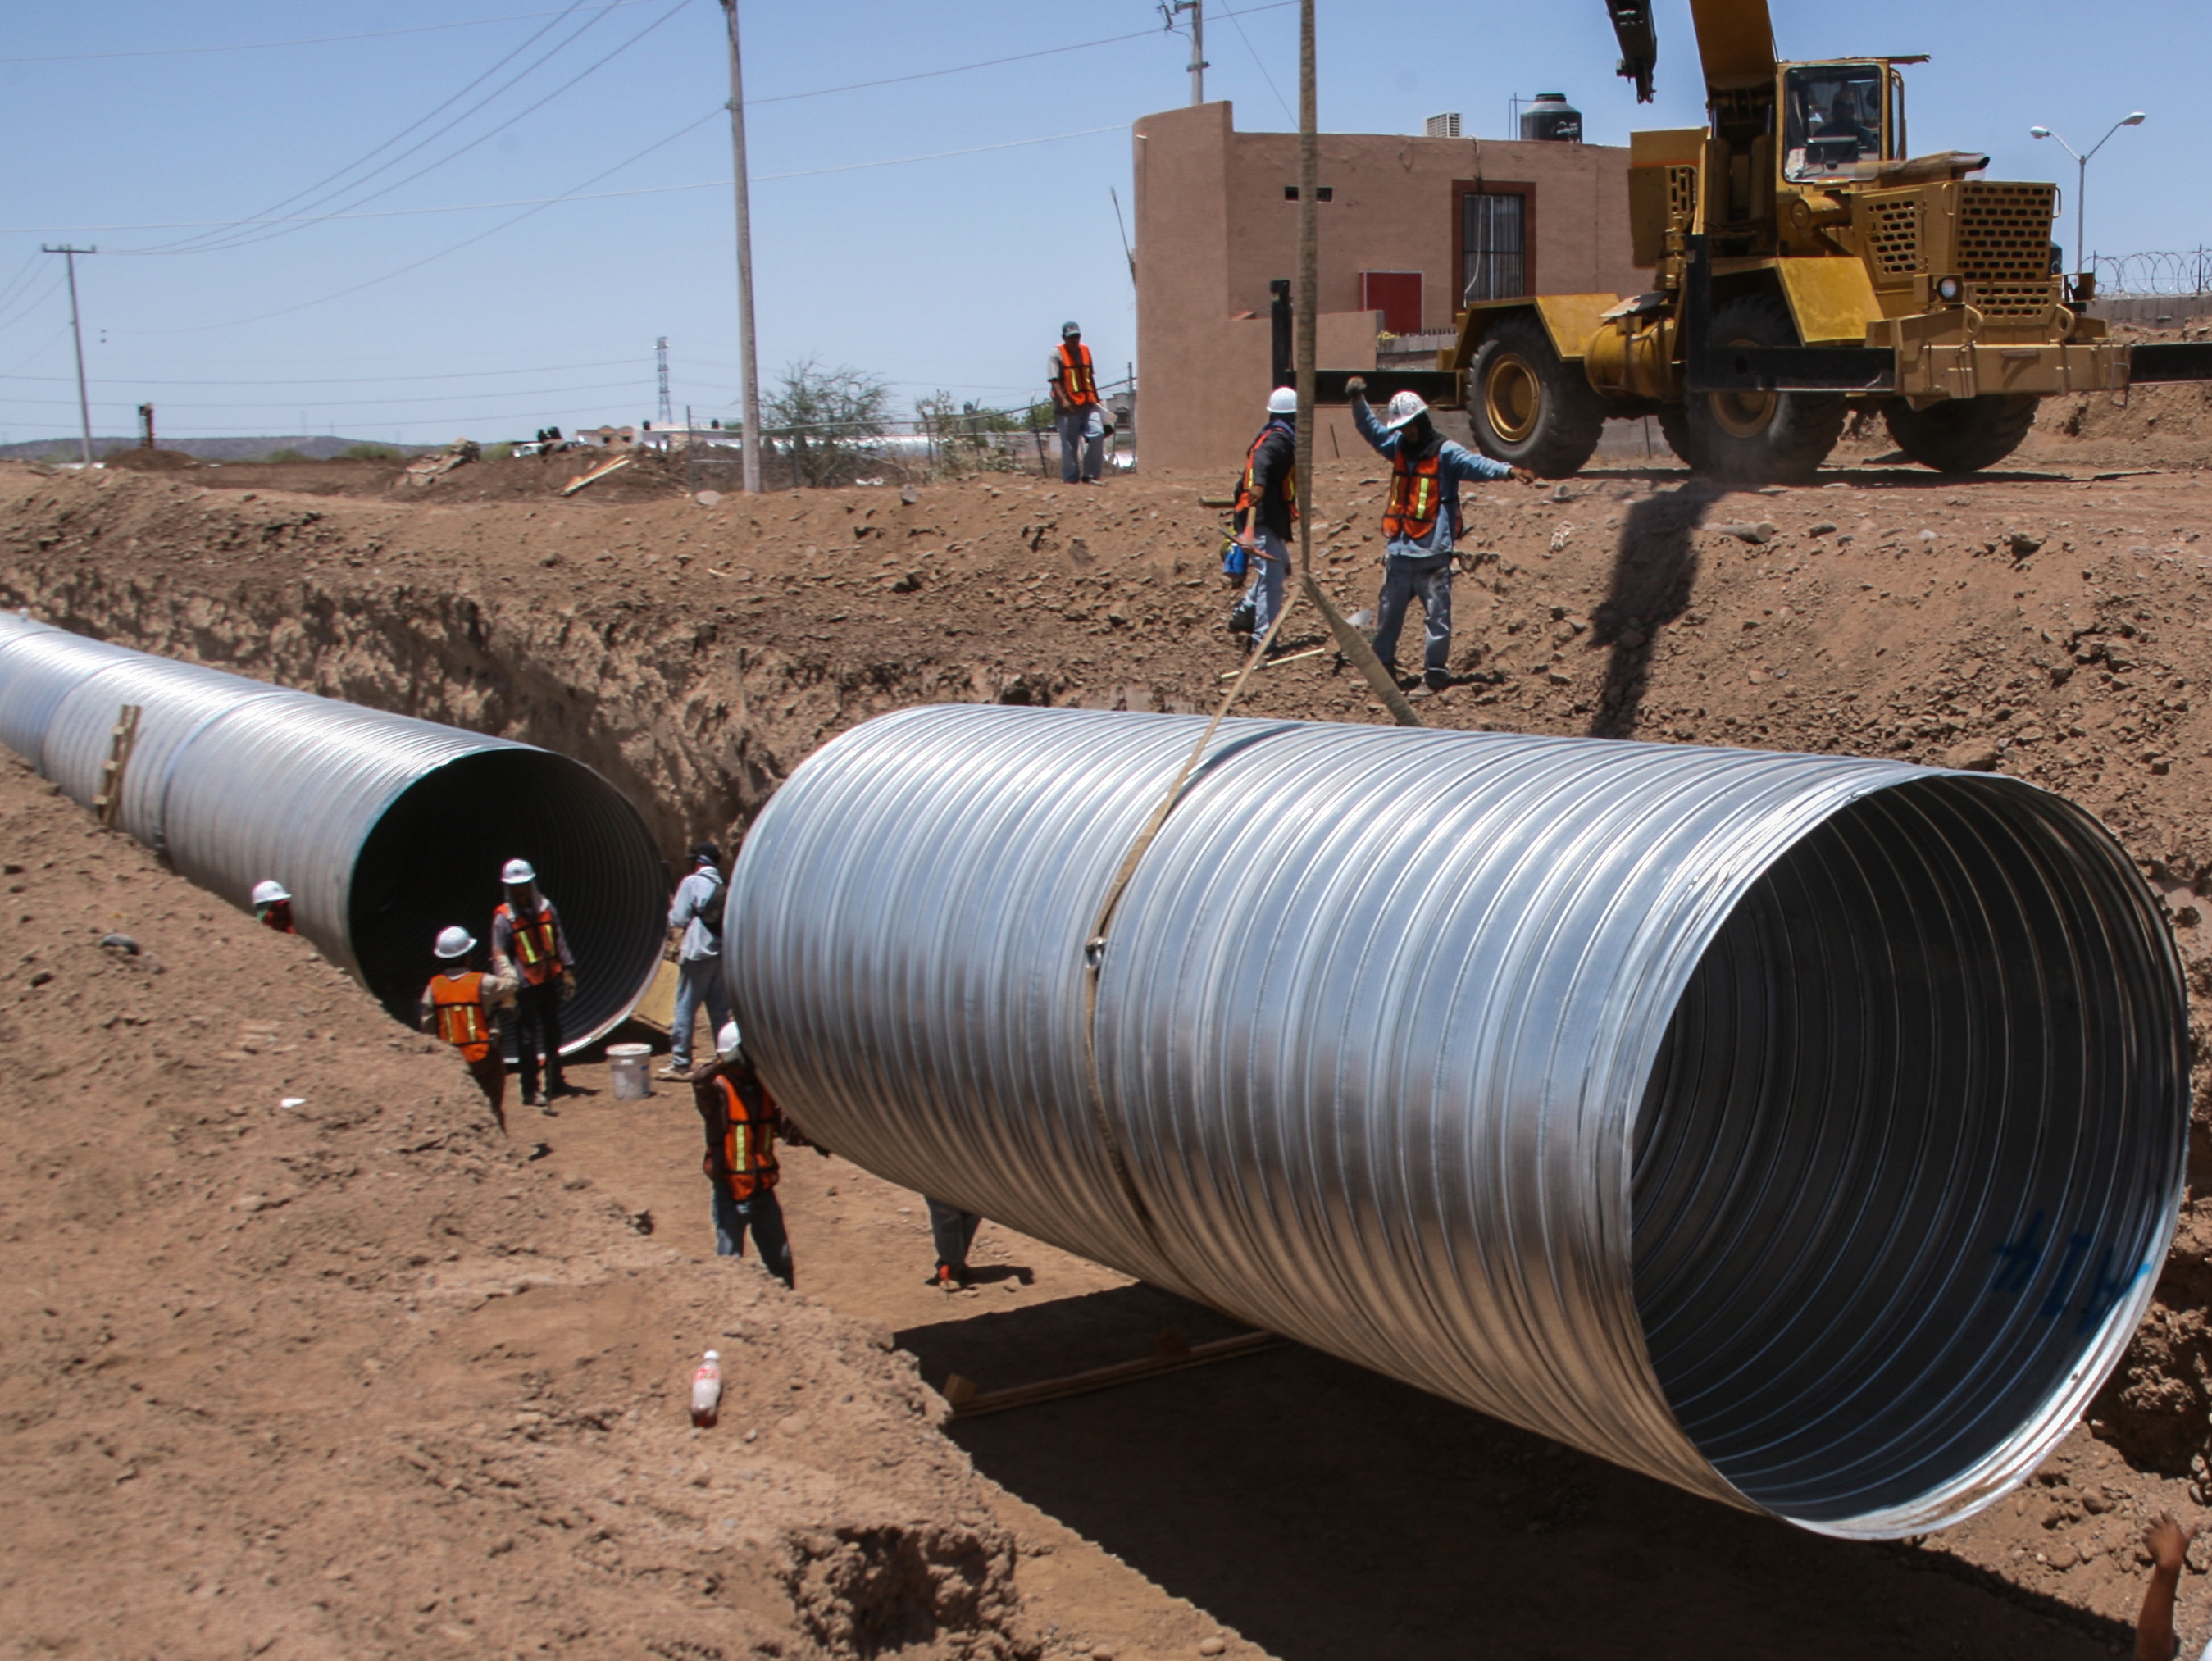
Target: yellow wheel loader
1804, 264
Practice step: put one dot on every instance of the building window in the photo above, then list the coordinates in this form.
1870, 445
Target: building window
1494, 243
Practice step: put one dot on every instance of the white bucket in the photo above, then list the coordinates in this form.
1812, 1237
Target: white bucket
629, 1069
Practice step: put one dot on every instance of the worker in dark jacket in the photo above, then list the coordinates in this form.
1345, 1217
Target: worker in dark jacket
1267, 507
742, 1123
1421, 523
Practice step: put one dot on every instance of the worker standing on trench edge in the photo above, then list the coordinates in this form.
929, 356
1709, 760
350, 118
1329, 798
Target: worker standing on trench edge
272, 906
457, 1006
1421, 523
697, 910
528, 942
1267, 507
1075, 406
742, 1122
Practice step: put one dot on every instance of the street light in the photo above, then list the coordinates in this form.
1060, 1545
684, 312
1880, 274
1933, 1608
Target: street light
2081, 181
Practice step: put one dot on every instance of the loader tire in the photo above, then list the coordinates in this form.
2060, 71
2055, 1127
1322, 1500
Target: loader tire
1528, 407
1761, 438
1962, 434
1674, 428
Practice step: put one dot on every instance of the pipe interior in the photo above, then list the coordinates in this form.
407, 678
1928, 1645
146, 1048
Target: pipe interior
434, 859
1912, 1137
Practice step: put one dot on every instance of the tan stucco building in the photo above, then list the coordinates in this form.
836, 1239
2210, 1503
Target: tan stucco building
1408, 227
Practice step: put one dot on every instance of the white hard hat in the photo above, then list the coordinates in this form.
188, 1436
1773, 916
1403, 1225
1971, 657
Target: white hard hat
1284, 400
269, 890
521, 871
455, 942
1405, 407
726, 1040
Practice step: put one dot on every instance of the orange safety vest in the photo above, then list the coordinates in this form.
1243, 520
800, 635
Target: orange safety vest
536, 944
1416, 490
1246, 501
1077, 382
459, 1000
748, 1150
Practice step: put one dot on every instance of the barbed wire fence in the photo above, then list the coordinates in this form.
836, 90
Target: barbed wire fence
2171, 274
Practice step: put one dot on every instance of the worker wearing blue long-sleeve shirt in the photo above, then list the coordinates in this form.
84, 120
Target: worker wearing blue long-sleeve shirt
1420, 525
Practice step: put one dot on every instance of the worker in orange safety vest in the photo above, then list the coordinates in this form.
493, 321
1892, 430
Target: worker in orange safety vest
1082, 422
742, 1123
1421, 523
527, 942
457, 1006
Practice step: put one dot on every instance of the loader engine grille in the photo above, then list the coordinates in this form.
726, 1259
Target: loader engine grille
1682, 196
1893, 235
2004, 248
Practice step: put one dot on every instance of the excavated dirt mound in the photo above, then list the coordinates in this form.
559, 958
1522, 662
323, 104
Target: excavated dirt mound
150, 461
299, 1356
2041, 621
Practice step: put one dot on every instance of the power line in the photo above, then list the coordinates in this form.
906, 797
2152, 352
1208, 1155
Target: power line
243, 241
309, 40
32, 304
296, 196
362, 380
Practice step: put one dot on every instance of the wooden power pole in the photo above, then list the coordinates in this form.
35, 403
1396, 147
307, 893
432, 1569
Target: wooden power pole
76, 330
747, 354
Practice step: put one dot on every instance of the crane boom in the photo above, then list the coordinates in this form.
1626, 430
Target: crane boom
1638, 35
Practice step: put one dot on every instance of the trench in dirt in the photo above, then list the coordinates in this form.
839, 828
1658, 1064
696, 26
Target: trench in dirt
1261, 1489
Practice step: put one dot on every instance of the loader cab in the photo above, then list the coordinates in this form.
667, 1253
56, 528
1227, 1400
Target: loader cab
1840, 121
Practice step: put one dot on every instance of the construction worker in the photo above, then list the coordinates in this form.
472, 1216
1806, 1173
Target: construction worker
2167, 1541
952, 1231
1420, 524
457, 1006
1075, 406
527, 943
742, 1123
1267, 507
272, 905
697, 910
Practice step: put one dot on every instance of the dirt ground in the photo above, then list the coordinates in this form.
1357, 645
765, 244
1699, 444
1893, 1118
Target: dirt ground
2042, 620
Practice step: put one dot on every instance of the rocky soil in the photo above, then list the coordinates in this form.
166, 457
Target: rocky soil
2041, 619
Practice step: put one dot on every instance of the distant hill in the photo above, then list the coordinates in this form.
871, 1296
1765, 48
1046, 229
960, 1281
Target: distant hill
318, 448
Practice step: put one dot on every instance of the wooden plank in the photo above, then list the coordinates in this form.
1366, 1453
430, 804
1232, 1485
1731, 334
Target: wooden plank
122, 739
969, 1402
657, 1008
1275, 663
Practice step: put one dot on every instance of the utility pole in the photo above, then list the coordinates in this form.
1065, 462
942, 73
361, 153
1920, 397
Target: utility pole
76, 330
1353, 644
667, 413
1174, 9
745, 339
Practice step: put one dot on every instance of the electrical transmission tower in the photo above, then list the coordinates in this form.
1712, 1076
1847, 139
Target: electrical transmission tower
666, 418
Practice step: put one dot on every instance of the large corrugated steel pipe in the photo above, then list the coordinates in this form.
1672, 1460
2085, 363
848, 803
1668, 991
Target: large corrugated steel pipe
385, 829
1803, 1130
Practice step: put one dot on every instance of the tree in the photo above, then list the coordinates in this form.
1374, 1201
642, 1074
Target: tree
822, 419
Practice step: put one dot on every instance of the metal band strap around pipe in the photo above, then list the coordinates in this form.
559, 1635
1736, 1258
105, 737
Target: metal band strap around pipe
384, 828
1802, 1130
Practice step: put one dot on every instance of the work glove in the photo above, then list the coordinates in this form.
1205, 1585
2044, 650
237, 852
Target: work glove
568, 984
1356, 387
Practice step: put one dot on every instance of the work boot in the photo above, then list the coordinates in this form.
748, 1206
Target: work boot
675, 1069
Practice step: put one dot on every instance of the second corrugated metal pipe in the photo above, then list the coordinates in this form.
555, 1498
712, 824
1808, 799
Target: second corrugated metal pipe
384, 828
1805, 1131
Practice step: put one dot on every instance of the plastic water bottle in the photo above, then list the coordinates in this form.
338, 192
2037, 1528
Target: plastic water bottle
706, 1389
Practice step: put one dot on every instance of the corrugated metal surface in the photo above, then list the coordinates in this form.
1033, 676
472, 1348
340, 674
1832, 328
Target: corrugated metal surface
1801, 1130
385, 828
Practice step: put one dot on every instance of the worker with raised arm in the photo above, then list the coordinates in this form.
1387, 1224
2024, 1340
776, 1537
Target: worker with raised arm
1421, 525
527, 941
1267, 507
459, 1006
1075, 407
2168, 1543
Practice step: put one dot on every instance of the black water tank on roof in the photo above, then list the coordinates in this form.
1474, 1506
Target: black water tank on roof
1551, 120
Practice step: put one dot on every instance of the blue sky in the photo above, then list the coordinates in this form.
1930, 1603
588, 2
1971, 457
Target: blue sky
953, 273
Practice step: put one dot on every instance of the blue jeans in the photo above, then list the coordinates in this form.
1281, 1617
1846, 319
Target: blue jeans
1075, 448
1270, 567
1431, 578
697, 979
763, 1215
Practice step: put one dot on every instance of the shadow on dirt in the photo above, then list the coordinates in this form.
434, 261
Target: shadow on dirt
1654, 575
1326, 1512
